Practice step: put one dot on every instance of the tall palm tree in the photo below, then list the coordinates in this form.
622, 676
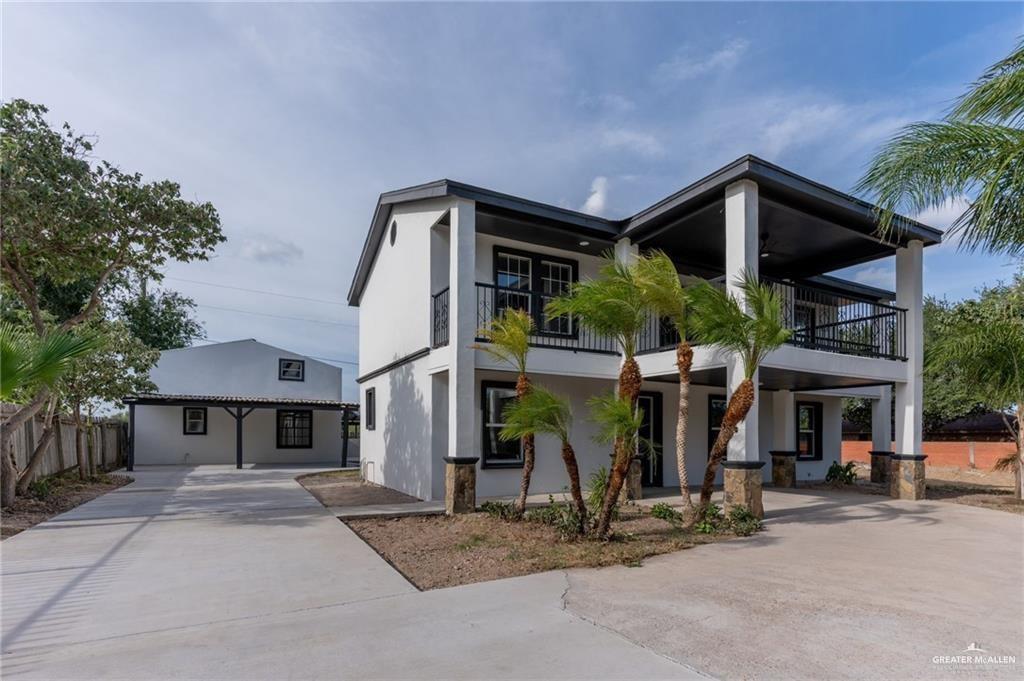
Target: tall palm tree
750, 329
31, 364
541, 411
990, 356
975, 153
508, 341
661, 286
612, 305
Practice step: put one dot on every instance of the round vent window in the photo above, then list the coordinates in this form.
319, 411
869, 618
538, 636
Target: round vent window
394, 231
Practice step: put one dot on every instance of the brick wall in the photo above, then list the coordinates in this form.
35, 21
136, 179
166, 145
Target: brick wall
940, 453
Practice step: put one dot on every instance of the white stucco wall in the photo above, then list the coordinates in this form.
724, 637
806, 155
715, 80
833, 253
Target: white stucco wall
244, 368
159, 439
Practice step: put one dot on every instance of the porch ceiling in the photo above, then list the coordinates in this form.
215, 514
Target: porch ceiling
776, 379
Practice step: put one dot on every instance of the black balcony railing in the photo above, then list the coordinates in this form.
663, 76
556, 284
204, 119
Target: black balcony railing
439, 317
820, 320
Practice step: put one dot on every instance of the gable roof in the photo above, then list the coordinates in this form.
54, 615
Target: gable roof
848, 210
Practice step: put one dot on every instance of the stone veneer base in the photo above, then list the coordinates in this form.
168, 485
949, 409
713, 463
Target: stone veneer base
742, 482
783, 468
880, 463
906, 476
459, 485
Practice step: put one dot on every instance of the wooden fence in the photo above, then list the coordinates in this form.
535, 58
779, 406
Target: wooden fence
109, 444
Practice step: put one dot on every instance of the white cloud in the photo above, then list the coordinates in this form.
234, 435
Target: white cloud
882, 276
642, 143
941, 217
685, 66
269, 249
801, 125
608, 103
598, 199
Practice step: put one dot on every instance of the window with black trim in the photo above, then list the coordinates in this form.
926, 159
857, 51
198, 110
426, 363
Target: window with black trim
527, 281
716, 412
294, 428
808, 431
498, 453
370, 408
291, 370
193, 420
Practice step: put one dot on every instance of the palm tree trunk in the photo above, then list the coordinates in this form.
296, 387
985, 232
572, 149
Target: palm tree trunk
684, 361
529, 452
9, 474
28, 473
569, 458
740, 402
630, 382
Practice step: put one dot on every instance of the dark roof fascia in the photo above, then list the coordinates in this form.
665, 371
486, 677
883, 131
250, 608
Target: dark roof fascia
769, 174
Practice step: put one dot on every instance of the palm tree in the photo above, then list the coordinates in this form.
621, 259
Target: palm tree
508, 341
661, 286
750, 329
991, 356
541, 411
611, 305
31, 364
976, 152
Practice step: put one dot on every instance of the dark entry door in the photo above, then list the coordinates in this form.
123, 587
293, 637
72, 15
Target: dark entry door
650, 432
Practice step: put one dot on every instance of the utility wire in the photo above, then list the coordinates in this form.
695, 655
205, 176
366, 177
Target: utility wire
325, 359
278, 316
253, 290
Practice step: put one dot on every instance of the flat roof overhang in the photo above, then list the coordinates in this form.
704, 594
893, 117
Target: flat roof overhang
777, 379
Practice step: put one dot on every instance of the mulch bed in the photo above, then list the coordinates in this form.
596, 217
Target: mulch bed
437, 551
66, 491
345, 488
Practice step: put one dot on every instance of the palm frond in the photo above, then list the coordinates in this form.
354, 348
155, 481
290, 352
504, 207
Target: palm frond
615, 418
538, 411
990, 356
998, 96
661, 287
508, 337
28, 362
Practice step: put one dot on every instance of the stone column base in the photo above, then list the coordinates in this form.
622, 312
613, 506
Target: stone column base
459, 484
743, 485
632, 489
880, 464
783, 468
906, 476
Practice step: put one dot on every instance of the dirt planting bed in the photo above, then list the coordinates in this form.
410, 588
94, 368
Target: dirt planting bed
53, 496
345, 488
438, 551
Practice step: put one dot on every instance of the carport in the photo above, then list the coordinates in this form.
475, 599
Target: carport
239, 408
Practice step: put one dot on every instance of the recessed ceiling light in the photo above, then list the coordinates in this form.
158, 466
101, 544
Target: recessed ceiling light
584, 243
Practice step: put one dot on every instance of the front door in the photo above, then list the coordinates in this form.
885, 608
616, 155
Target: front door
651, 439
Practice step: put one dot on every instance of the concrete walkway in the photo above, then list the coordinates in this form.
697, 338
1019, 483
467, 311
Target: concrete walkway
212, 572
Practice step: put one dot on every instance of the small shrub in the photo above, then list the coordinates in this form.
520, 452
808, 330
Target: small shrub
839, 474
562, 516
663, 511
595, 493
41, 488
743, 522
499, 509
710, 520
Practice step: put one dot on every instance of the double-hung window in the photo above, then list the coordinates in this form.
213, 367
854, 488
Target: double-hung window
193, 421
497, 452
808, 431
514, 277
527, 281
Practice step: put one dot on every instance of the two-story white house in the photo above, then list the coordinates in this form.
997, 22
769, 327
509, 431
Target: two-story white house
442, 259
242, 402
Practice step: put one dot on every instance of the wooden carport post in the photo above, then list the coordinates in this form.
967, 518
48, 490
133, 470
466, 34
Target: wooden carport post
239, 417
344, 437
131, 436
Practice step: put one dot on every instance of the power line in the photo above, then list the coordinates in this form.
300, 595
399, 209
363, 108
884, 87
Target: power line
325, 359
277, 316
253, 290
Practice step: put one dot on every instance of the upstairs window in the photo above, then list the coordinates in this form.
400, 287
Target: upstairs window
291, 370
527, 281
194, 421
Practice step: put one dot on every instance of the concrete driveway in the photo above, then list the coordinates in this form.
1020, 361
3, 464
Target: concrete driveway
212, 572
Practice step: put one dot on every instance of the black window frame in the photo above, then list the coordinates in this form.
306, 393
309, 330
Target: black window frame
819, 413
184, 420
536, 284
280, 369
370, 409
282, 412
485, 442
711, 426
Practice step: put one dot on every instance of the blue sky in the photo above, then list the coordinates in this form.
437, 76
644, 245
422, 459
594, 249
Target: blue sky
291, 119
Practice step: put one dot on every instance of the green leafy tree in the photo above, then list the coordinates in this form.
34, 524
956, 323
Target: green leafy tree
976, 152
508, 340
118, 366
612, 305
990, 357
66, 219
750, 330
661, 286
541, 411
162, 319
27, 365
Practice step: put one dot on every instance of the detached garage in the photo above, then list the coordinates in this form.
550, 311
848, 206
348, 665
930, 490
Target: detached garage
243, 403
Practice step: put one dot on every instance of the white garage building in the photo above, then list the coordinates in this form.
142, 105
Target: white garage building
242, 402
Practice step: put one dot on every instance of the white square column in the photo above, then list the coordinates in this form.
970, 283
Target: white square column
909, 395
881, 421
462, 329
784, 421
741, 253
